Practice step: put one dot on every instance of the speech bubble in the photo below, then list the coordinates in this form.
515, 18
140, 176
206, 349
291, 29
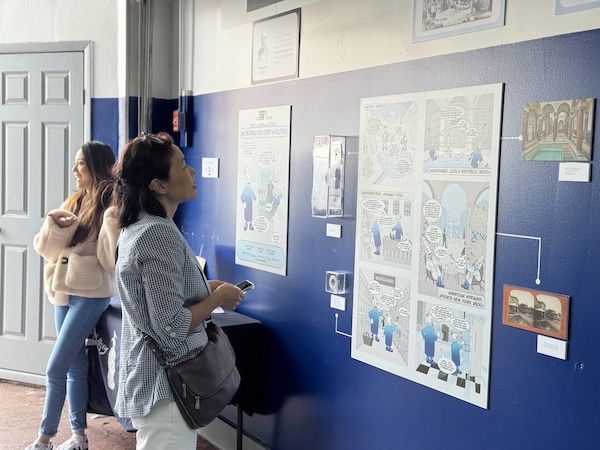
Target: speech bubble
441, 313
372, 204
446, 365
462, 125
267, 158
432, 210
387, 300
441, 252
472, 133
261, 224
433, 233
374, 124
387, 221
374, 287
403, 166
403, 312
398, 293
405, 246
460, 324
248, 148
276, 238
452, 112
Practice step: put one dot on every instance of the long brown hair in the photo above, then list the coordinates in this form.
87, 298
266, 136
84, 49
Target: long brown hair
89, 206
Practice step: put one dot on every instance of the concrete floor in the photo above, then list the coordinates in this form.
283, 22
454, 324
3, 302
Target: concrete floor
21, 410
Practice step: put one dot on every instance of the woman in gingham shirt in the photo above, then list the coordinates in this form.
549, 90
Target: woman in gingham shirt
163, 291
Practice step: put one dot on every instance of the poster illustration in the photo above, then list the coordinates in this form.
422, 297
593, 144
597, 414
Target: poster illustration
426, 208
262, 188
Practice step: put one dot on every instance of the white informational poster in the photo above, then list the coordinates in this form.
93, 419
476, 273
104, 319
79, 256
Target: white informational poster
426, 222
262, 188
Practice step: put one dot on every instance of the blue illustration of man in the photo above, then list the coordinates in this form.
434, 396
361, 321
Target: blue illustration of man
432, 151
397, 233
273, 198
476, 156
248, 198
429, 337
374, 315
455, 348
388, 332
433, 265
473, 273
376, 236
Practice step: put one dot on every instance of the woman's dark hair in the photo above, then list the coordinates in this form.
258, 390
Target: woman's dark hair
89, 206
143, 159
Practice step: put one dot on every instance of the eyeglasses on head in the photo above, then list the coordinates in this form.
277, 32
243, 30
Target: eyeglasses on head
152, 138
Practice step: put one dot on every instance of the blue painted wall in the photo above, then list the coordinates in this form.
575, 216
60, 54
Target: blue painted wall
319, 397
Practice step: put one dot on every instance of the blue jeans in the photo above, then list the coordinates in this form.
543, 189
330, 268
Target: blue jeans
66, 373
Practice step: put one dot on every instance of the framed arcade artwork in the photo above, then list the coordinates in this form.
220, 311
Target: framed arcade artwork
435, 19
537, 311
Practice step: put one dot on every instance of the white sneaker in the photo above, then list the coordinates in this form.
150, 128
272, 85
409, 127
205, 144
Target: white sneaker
39, 446
76, 442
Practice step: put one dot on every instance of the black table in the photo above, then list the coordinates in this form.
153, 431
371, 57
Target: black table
248, 338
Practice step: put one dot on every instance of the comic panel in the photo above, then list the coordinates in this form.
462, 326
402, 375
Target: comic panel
382, 317
449, 351
389, 143
453, 250
386, 228
458, 135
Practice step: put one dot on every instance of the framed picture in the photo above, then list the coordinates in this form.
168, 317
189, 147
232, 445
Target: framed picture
435, 19
568, 6
275, 47
537, 311
558, 130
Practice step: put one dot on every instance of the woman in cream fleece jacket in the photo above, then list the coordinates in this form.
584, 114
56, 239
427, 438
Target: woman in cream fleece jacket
78, 243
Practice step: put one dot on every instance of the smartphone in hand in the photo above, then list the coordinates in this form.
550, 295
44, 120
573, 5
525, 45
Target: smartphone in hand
245, 285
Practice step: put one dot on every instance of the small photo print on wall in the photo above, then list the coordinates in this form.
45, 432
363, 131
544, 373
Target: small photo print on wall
435, 19
569, 6
558, 130
537, 311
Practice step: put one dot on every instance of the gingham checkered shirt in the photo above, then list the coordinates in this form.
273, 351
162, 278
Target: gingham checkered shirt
158, 278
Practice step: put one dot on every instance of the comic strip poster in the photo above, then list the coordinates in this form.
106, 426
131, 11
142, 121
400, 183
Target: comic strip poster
426, 210
262, 188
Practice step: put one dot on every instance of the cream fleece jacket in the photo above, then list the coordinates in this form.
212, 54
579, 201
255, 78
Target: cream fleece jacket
86, 269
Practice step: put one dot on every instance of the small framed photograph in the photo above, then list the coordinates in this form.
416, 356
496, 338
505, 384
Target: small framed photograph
560, 130
275, 47
435, 19
537, 311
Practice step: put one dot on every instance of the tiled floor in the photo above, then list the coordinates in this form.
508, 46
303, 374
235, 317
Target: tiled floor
21, 409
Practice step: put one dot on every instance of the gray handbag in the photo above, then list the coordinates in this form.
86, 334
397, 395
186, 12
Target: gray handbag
204, 385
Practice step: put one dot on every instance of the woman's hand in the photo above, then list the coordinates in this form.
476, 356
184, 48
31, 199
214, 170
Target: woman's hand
63, 218
230, 295
225, 295
215, 284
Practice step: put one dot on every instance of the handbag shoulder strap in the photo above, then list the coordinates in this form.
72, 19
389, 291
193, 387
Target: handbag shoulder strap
155, 350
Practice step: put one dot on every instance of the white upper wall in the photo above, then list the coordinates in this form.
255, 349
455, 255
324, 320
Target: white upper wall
342, 35
33, 21
336, 36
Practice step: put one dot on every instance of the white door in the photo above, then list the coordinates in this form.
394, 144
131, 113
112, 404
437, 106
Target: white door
41, 128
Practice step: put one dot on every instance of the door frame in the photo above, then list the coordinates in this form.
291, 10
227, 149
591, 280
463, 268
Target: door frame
84, 47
